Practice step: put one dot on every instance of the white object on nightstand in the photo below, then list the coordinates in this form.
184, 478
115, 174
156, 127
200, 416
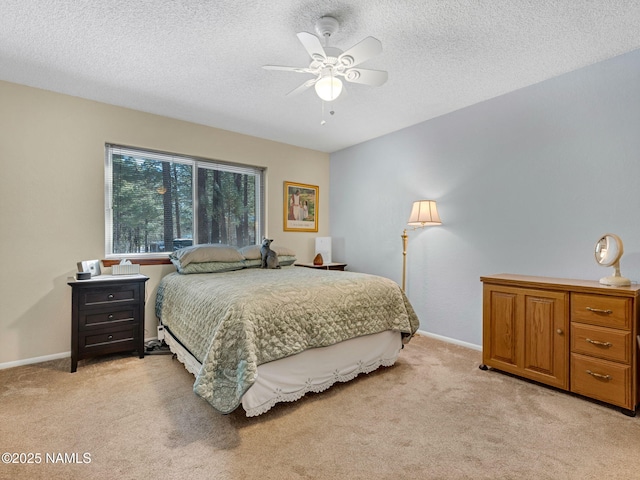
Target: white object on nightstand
125, 268
323, 247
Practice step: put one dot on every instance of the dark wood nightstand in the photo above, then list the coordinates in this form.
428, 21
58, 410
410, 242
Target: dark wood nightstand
324, 266
107, 316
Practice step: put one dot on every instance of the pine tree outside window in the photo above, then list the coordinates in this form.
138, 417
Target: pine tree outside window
159, 202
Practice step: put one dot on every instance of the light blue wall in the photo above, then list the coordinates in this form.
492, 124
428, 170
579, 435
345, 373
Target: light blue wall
525, 183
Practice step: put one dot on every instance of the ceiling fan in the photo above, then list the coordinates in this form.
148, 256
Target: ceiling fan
328, 64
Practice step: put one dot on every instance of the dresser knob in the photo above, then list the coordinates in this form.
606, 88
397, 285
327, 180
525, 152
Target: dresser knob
559, 331
110, 296
110, 337
110, 317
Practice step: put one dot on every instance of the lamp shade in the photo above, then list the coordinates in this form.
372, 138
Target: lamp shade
328, 88
423, 213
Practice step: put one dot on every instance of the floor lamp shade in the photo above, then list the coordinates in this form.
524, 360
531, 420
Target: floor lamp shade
424, 213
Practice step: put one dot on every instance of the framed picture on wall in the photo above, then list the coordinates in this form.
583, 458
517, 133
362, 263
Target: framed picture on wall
300, 207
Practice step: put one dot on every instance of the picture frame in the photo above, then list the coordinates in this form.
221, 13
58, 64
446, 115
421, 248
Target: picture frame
92, 266
300, 207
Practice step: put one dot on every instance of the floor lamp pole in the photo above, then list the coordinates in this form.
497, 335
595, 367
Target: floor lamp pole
404, 258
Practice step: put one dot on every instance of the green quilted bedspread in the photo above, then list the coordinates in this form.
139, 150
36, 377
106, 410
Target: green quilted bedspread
234, 321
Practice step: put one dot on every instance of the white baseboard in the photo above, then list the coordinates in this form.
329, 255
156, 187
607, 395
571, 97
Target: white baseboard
30, 361
45, 358
472, 346
58, 356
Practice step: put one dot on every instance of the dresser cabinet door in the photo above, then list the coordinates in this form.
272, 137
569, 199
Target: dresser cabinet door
501, 347
525, 333
546, 325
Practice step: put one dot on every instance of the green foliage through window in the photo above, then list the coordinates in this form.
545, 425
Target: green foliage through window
159, 202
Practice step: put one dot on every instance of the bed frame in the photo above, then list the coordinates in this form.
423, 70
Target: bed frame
315, 370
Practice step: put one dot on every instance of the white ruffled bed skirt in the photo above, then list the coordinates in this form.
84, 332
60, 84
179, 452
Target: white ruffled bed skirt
315, 370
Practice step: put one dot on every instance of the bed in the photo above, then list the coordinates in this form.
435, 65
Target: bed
256, 337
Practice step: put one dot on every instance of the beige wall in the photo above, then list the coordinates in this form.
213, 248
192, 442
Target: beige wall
52, 202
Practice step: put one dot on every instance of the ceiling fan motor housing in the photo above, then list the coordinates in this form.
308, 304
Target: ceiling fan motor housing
327, 26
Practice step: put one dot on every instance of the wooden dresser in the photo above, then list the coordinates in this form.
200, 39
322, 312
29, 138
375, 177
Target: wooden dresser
575, 335
107, 316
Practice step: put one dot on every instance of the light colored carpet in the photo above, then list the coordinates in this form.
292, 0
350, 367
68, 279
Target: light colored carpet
434, 415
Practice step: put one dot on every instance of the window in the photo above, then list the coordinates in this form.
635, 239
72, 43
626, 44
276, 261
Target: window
159, 202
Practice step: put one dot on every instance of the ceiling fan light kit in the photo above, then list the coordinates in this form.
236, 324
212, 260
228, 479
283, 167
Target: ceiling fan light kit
329, 63
328, 88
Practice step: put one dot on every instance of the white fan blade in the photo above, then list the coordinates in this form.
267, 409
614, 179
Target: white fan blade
287, 69
366, 77
302, 87
312, 45
360, 52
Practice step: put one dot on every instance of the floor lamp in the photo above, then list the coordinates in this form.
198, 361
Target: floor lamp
423, 214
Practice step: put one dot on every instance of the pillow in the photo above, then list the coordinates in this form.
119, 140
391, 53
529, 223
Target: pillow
252, 252
254, 263
286, 260
209, 267
205, 253
283, 261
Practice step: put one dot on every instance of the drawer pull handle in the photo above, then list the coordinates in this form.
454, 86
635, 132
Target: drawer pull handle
600, 344
599, 375
110, 296
110, 337
110, 317
597, 310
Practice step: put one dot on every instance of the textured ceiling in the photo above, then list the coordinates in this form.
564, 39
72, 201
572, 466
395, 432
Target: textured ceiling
200, 60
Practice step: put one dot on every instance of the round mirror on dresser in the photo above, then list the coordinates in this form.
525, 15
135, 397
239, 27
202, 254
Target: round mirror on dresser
608, 251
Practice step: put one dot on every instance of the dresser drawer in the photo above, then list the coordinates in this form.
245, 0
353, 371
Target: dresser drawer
600, 379
109, 295
601, 342
601, 310
106, 339
89, 319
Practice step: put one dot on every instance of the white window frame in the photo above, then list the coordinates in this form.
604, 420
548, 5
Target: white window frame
195, 162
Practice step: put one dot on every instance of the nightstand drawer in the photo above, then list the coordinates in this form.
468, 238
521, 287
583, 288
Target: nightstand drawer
602, 380
112, 294
116, 337
601, 310
104, 318
601, 342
